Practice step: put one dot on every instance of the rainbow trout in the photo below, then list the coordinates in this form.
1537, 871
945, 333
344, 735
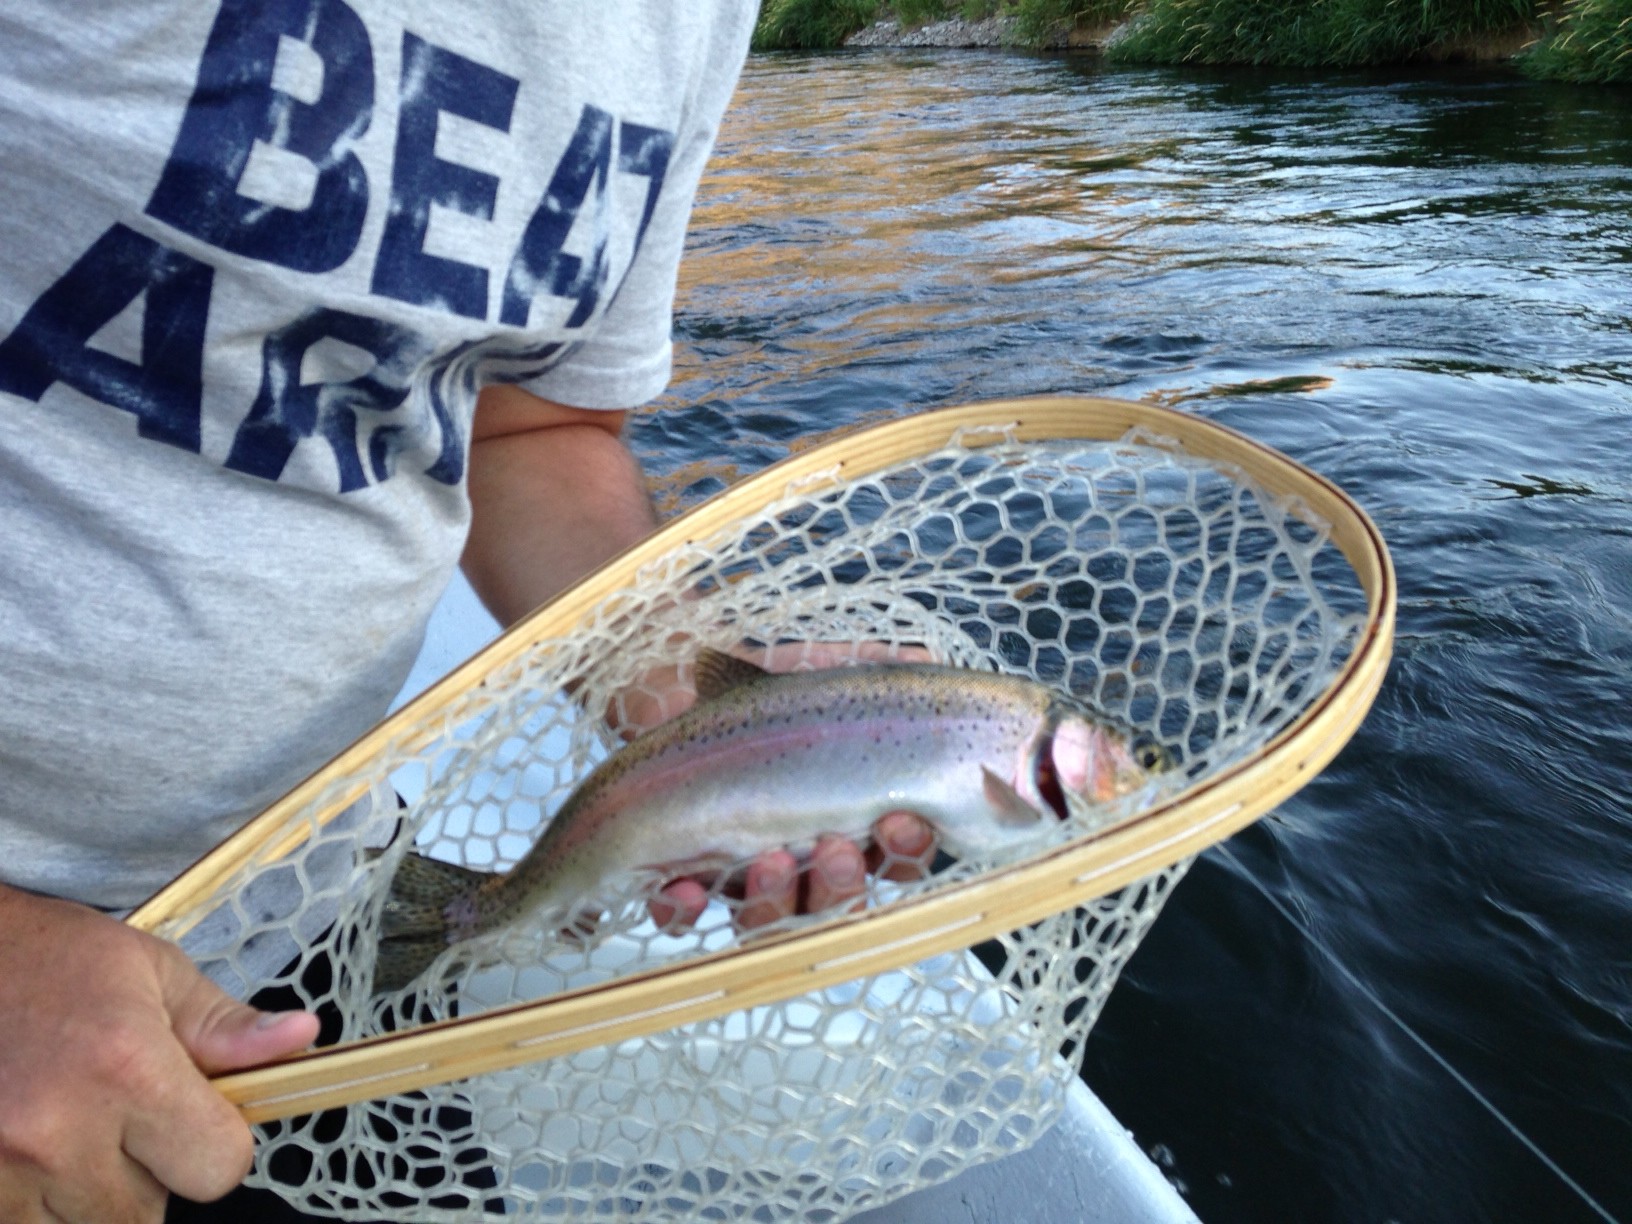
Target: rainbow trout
769, 760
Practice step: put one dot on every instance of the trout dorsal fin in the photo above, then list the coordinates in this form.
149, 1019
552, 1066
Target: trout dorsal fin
718, 673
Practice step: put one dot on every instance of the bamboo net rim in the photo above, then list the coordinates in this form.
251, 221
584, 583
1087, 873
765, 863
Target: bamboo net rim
847, 946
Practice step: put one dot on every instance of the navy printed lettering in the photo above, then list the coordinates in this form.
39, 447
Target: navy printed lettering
265, 168
234, 105
436, 80
165, 389
540, 263
286, 410
461, 368
645, 151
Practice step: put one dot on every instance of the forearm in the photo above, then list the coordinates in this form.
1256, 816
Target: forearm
554, 493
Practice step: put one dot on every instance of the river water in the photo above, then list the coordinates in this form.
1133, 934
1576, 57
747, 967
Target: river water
1419, 284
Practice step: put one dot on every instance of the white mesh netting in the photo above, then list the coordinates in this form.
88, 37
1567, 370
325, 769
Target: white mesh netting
1172, 594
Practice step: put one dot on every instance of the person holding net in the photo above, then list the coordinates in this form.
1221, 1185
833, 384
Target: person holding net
304, 303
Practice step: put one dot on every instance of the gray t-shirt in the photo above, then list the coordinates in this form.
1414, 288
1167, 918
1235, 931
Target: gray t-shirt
258, 258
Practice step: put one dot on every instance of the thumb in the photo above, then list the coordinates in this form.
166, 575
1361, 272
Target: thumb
244, 1036
222, 1034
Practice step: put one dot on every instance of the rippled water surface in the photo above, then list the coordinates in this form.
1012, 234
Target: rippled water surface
1421, 286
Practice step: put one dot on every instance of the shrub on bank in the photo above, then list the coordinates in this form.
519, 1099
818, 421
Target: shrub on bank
1584, 40
1301, 33
1036, 21
1592, 41
812, 24
790, 25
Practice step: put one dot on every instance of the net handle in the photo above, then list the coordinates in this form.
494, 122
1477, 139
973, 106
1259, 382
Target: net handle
846, 947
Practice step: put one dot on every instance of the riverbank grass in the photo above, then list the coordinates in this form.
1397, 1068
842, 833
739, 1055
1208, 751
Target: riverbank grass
1298, 33
1592, 43
801, 25
816, 24
1574, 40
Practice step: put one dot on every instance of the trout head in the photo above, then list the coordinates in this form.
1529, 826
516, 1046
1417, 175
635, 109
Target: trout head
1079, 754
1075, 758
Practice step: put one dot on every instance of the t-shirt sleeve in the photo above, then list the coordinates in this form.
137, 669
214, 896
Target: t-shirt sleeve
628, 359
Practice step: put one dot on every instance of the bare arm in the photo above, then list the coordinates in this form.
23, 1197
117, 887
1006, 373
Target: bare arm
554, 492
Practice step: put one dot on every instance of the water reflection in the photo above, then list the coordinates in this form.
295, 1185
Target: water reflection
1417, 285
1540, 486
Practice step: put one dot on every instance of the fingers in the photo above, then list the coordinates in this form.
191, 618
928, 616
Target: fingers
84, 1199
115, 1114
678, 906
175, 1125
775, 887
903, 847
113, 1190
837, 874
186, 1134
221, 1034
770, 890
183, 1131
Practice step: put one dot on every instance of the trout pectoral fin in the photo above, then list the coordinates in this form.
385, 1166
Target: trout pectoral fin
1006, 802
580, 925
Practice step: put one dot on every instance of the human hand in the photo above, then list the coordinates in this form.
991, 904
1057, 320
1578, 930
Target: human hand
775, 887
110, 1035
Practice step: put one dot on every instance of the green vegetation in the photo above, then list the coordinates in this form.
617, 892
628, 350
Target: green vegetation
1591, 42
789, 25
916, 12
1322, 33
809, 24
1038, 20
1577, 40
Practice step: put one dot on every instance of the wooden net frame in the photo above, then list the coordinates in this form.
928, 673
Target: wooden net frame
924, 923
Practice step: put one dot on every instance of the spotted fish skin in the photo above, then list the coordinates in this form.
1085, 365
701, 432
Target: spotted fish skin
766, 760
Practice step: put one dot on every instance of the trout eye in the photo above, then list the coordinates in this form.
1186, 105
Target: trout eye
1152, 757
1047, 779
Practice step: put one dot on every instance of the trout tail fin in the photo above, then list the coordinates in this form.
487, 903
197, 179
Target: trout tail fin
415, 926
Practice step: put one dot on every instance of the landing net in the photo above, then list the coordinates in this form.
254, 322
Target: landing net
1175, 593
